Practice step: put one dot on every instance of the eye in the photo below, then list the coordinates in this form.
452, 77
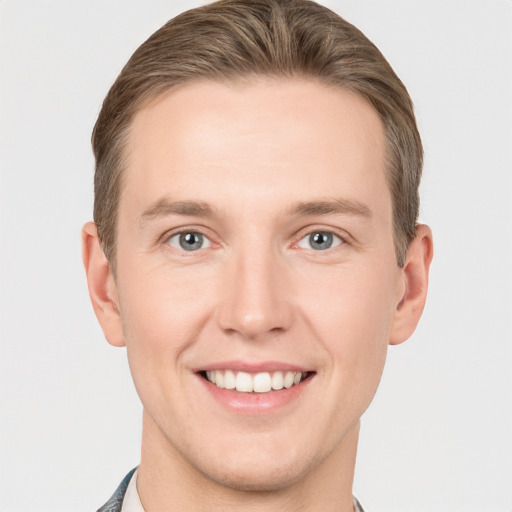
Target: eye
189, 241
319, 241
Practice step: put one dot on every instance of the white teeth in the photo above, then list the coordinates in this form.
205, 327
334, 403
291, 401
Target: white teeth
277, 380
229, 380
244, 382
219, 378
288, 380
262, 382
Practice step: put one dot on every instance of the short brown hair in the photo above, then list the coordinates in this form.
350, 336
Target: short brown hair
240, 39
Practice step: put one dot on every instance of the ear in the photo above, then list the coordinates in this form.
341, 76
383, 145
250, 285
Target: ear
102, 287
415, 276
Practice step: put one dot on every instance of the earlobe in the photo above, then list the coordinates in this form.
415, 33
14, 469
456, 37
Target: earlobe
102, 286
415, 275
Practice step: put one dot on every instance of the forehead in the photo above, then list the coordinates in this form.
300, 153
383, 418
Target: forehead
208, 140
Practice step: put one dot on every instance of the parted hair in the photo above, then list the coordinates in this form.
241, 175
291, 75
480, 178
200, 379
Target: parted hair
241, 40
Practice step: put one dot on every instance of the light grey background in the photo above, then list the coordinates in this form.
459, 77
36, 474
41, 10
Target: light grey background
438, 437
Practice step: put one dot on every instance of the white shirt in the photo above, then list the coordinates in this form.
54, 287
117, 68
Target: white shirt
131, 502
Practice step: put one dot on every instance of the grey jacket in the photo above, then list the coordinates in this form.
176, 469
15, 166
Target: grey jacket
115, 503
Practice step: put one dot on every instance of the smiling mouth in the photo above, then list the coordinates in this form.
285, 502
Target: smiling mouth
262, 382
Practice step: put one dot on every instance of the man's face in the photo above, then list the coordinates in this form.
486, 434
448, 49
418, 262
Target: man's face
256, 239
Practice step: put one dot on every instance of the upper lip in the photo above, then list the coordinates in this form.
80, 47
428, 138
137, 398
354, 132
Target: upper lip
253, 367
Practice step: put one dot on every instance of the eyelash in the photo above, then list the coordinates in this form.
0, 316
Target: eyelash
337, 239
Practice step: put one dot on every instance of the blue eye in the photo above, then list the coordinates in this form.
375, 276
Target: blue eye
319, 241
189, 241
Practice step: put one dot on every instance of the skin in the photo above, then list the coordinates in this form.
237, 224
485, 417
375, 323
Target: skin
257, 290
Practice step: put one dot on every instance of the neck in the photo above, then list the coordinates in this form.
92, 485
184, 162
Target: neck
167, 482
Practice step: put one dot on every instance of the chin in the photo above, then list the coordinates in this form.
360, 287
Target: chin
264, 467
257, 479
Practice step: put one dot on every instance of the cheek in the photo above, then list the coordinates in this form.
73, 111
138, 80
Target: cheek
352, 301
351, 310
162, 314
159, 301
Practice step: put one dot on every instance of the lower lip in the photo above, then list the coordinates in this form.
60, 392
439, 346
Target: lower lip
256, 403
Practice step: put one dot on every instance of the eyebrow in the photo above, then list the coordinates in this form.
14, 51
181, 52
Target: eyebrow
331, 205
164, 207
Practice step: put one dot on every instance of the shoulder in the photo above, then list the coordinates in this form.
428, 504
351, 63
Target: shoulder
115, 502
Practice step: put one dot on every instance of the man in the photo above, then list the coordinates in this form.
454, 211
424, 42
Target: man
256, 248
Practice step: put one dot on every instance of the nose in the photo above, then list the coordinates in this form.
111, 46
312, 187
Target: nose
255, 297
